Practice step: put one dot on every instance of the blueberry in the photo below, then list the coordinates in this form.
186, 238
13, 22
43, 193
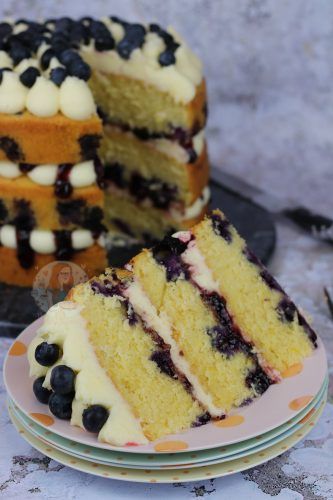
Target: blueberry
286, 310
58, 75
258, 381
18, 52
133, 39
202, 419
5, 30
47, 354
167, 58
94, 418
68, 56
1, 72
46, 58
61, 405
80, 69
29, 76
102, 36
62, 379
41, 393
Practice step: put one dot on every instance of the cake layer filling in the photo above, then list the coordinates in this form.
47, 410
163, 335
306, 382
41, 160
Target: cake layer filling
61, 243
64, 177
65, 327
266, 316
181, 145
152, 192
161, 324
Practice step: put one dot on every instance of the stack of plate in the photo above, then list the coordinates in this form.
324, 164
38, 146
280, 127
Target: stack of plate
248, 437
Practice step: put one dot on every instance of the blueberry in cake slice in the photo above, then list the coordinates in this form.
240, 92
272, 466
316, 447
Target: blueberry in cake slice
190, 330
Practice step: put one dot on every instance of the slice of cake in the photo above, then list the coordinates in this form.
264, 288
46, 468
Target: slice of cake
73, 94
190, 330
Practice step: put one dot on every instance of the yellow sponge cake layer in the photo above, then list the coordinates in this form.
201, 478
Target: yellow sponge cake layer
48, 211
194, 327
146, 157
263, 312
139, 105
56, 139
126, 352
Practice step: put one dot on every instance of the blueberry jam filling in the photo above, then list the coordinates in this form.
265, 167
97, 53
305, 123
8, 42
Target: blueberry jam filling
163, 360
167, 253
160, 193
76, 212
177, 134
64, 247
24, 222
225, 341
202, 420
63, 187
3, 212
307, 328
123, 226
11, 149
94, 417
89, 145
286, 310
221, 227
258, 381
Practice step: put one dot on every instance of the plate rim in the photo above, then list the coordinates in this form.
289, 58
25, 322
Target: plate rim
296, 427
314, 403
205, 475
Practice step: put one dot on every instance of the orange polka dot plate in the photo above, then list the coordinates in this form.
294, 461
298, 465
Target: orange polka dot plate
282, 402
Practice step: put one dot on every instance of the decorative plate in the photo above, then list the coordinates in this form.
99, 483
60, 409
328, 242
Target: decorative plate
169, 476
171, 461
278, 405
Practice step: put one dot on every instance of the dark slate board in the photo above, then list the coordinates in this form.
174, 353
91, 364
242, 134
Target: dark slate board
18, 308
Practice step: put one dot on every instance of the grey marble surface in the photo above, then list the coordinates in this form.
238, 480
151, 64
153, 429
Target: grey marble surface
303, 266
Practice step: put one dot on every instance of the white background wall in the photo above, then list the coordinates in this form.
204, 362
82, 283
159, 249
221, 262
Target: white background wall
269, 65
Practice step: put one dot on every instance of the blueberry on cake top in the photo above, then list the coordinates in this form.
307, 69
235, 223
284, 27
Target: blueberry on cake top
103, 111
190, 330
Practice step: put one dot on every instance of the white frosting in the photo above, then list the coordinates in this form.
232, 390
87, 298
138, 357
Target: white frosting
44, 175
81, 175
174, 150
65, 326
162, 325
25, 64
43, 98
76, 100
193, 210
5, 60
43, 241
12, 93
9, 170
179, 80
8, 236
200, 272
82, 238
